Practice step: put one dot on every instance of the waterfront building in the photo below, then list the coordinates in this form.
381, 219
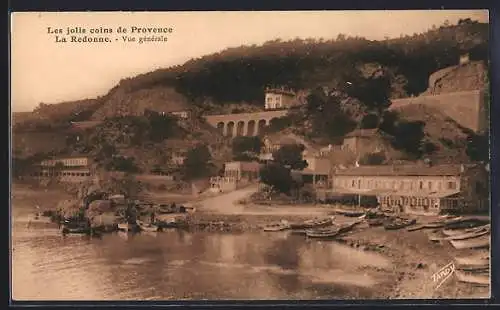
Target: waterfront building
72, 169
424, 189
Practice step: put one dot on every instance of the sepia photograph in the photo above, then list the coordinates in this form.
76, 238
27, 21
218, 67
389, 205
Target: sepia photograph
250, 155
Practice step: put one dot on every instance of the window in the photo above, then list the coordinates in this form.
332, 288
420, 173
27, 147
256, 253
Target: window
421, 186
429, 185
452, 185
353, 183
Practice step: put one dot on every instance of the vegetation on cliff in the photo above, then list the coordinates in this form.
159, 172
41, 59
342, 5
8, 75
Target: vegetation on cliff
351, 81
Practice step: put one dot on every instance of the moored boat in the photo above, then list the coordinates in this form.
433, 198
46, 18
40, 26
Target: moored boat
478, 242
469, 235
277, 227
314, 223
481, 260
331, 232
350, 213
148, 227
435, 236
433, 225
456, 232
326, 233
128, 227
75, 230
474, 278
399, 223
376, 222
123, 226
414, 228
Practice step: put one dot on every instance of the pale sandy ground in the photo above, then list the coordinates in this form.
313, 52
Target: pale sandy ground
413, 257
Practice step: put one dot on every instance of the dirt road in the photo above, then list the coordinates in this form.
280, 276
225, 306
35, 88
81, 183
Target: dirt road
228, 204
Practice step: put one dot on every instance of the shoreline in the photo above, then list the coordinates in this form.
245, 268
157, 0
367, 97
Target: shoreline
414, 258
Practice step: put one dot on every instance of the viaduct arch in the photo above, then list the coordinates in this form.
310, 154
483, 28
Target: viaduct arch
243, 124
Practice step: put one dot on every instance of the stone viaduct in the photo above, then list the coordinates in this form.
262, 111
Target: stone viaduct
243, 124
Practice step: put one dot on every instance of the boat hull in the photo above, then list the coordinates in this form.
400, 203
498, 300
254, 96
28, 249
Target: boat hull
277, 228
478, 279
479, 242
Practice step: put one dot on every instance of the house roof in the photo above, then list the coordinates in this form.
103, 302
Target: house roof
280, 91
284, 138
84, 125
365, 133
403, 170
308, 171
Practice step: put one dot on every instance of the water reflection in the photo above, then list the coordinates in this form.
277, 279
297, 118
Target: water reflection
181, 265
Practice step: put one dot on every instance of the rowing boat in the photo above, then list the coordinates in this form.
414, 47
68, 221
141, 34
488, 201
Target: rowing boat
327, 233
470, 235
480, 279
376, 222
479, 261
435, 236
456, 232
477, 242
330, 233
277, 227
147, 227
399, 223
314, 223
350, 213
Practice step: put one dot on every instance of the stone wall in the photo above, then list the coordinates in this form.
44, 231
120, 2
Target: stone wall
467, 108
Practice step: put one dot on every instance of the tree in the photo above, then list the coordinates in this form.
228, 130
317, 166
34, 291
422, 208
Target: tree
280, 123
277, 177
290, 156
369, 121
478, 147
372, 159
326, 116
105, 151
161, 126
408, 137
197, 162
372, 89
244, 144
123, 164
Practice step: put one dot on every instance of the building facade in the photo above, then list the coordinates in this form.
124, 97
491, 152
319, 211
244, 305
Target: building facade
317, 172
236, 174
418, 189
274, 142
279, 98
182, 114
363, 141
73, 169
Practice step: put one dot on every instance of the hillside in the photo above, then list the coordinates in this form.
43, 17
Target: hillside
457, 78
449, 139
234, 80
122, 103
240, 74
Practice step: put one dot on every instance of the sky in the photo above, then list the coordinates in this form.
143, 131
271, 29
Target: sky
43, 70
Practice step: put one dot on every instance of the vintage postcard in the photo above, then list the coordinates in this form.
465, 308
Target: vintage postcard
277, 155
